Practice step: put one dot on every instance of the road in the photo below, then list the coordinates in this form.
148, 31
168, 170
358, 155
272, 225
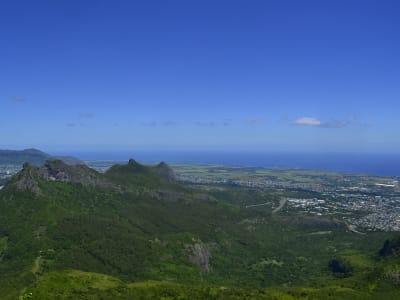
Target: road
282, 203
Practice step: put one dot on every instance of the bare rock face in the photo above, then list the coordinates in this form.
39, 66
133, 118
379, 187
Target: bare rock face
199, 255
26, 180
57, 170
393, 275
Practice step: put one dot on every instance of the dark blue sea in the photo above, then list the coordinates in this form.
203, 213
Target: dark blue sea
380, 164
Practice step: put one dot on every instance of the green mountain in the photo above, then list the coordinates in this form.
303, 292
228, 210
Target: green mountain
136, 175
69, 232
32, 156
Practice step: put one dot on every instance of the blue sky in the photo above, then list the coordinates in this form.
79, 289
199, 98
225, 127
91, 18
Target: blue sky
202, 75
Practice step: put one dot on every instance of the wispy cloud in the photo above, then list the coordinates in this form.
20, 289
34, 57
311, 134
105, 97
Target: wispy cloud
169, 123
307, 121
254, 121
18, 99
87, 115
149, 124
338, 123
81, 120
206, 123
316, 122
224, 123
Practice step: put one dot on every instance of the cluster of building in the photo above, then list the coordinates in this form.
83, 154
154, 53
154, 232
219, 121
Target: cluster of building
313, 206
369, 212
382, 220
201, 180
255, 182
365, 202
6, 171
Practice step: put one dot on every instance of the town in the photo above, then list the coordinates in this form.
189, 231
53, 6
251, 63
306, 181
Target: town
365, 203
6, 171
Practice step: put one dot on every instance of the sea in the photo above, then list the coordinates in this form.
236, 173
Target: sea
380, 164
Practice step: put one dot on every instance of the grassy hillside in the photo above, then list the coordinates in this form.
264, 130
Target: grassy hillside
73, 284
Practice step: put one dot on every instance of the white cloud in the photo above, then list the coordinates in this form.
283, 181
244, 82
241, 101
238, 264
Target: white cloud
307, 121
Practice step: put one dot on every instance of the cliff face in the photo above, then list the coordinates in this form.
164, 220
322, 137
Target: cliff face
199, 255
57, 170
26, 180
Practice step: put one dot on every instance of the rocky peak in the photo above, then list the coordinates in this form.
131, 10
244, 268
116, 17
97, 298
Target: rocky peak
132, 162
165, 172
26, 179
57, 170
134, 166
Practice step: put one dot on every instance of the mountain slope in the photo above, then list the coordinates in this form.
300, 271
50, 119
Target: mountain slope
135, 174
135, 223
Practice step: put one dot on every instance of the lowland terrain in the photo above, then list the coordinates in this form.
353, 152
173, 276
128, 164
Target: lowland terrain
155, 232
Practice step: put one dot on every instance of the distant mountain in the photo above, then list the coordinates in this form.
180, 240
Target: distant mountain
32, 156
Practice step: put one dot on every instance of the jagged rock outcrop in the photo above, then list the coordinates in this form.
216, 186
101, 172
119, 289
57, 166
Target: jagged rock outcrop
57, 170
199, 255
26, 180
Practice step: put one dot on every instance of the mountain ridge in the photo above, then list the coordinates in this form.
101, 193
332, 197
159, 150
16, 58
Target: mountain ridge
130, 174
32, 156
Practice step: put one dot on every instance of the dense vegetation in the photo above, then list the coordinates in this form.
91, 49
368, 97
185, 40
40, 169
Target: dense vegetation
391, 247
133, 233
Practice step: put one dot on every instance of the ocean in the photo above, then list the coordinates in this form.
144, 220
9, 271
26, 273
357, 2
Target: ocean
357, 163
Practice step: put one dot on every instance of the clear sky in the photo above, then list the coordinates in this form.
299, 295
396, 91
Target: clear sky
254, 75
